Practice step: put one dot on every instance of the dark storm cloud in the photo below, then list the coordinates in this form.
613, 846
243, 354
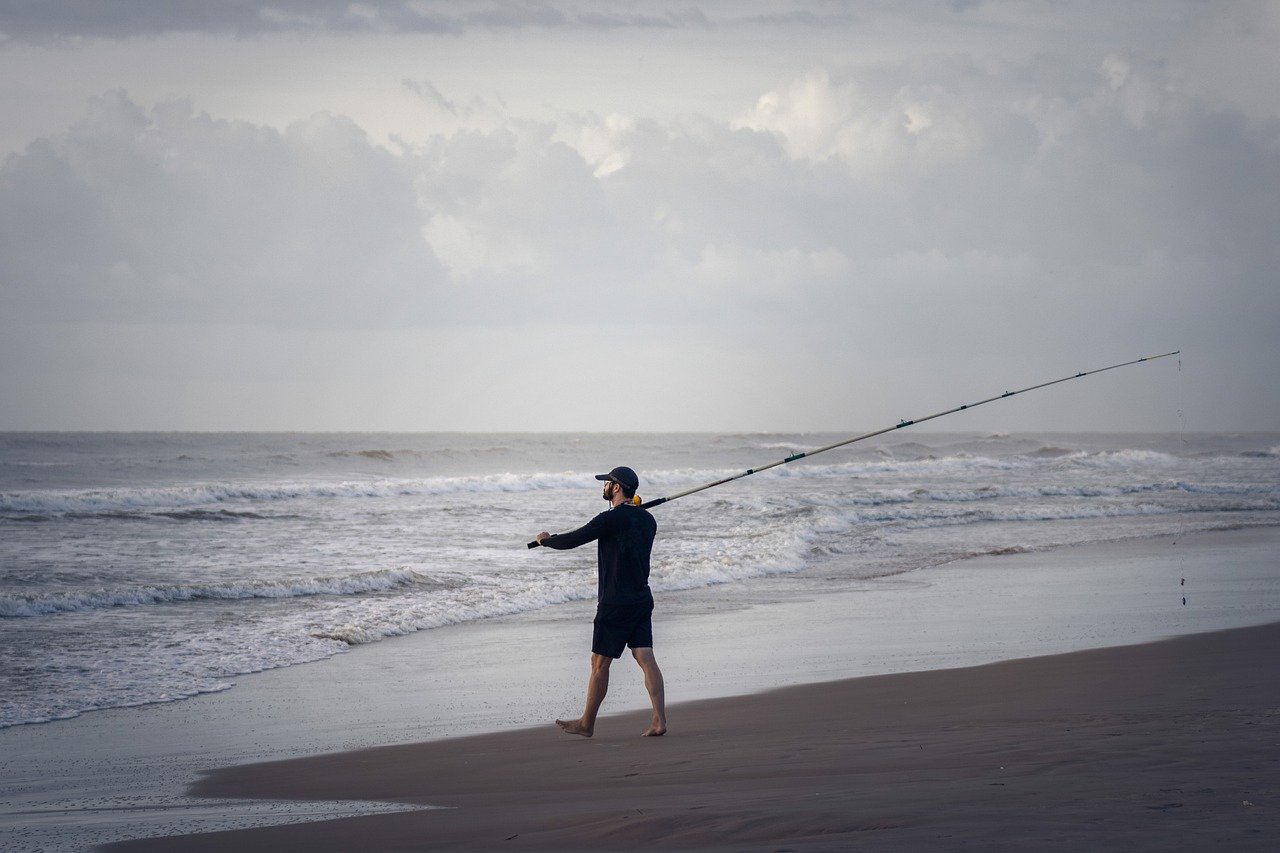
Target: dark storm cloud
38, 21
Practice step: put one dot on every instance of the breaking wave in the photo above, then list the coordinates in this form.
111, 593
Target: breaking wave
182, 502
357, 584
124, 562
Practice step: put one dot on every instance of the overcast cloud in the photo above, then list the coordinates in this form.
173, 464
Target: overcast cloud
780, 216
126, 18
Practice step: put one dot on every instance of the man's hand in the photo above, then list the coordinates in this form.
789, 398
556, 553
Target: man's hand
543, 535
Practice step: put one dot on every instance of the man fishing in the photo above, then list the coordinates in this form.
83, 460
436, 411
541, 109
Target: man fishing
624, 607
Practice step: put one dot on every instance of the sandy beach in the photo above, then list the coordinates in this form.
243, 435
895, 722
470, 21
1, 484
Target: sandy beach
1147, 746
873, 707
1166, 745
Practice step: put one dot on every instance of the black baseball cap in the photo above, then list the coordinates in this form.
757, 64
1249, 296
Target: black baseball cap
623, 476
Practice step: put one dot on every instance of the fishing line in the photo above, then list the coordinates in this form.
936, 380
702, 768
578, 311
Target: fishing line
900, 425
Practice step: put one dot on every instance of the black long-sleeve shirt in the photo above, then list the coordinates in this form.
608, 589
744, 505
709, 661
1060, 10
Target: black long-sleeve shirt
625, 541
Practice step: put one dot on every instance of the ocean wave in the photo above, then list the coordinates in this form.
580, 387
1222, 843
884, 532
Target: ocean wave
1122, 458
207, 658
1230, 488
889, 497
750, 551
15, 712
778, 551
192, 514
200, 495
1051, 452
916, 516
983, 493
789, 447
380, 580
369, 622
385, 455
173, 498
154, 533
380, 455
215, 515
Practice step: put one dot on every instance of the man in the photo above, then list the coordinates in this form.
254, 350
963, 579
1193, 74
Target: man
624, 605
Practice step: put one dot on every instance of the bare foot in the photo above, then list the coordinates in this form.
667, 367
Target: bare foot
574, 727
655, 730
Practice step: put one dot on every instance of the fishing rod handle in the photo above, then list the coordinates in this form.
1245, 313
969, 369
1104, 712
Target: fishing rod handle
534, 544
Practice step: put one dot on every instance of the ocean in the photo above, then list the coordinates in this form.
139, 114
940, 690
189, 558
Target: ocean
150, 567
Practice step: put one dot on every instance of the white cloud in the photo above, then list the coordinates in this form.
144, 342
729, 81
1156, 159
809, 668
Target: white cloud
169, 214
881, 126
923, 216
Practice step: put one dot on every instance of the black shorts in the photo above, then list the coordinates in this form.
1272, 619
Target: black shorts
622, 625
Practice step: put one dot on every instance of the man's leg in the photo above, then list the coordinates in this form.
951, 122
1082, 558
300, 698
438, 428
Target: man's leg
597, 687
657, 690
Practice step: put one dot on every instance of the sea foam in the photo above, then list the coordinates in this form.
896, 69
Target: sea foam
356, 584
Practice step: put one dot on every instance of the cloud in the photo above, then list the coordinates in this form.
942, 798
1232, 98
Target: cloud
115, 19
928, 218
166, 214
131, 18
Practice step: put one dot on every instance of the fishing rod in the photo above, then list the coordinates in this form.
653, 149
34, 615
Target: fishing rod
900, 425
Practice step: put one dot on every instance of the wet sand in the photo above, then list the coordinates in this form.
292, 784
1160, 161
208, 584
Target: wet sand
1172, 744
123, 773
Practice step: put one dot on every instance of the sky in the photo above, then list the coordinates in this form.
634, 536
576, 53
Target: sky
605, 216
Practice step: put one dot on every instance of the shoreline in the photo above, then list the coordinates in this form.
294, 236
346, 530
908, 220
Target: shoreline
116, 774
1153, 746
